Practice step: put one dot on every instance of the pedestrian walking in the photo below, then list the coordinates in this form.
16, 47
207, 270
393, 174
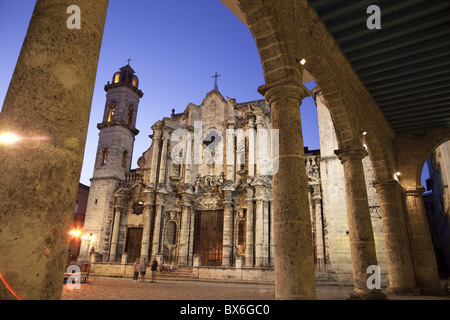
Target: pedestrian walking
143, 269
136, 268
154, 268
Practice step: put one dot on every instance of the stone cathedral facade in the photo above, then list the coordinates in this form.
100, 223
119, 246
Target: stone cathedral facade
202, 193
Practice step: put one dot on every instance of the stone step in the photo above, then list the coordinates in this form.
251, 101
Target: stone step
176, 273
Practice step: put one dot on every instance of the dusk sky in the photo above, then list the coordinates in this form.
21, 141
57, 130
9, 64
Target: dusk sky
175, 47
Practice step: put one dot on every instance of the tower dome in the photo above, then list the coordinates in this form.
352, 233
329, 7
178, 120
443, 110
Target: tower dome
126, 76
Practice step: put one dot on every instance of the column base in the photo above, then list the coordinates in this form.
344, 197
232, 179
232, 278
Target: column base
368, 295
413, 291
433, 292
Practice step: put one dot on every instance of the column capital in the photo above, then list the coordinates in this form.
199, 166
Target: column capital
316, 92
284, 89
353, 153
389, 183
415, 191
187, 203
166, 134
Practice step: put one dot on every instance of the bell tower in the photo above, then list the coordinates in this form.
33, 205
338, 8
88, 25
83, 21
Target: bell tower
113, 160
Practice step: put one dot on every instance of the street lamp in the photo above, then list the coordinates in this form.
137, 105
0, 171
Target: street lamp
75, 233
9, 138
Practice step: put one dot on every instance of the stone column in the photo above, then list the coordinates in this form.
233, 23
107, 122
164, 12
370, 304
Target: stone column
249, 243
320, 249
188, 163
294, 257
259, 233
115, 233
261, 147
162, 166
183, 247
271, 245
266, 240
398, 254
157, 224
231, 166
227, 228
148, 213
191, 224
425, 266
155, 153
251, 134
362, 243
47, 105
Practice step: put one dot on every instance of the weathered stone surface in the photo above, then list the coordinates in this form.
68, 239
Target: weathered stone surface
47, 104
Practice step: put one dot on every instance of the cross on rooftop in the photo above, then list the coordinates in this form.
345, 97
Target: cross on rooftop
216, 85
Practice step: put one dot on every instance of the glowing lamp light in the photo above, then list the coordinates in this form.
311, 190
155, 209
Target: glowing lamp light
397, 173
303, 61
75, 233
9, 138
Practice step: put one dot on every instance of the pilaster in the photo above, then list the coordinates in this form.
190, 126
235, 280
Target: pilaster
227, 228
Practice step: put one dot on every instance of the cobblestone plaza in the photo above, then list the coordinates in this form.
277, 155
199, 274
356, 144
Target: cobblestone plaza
102, 288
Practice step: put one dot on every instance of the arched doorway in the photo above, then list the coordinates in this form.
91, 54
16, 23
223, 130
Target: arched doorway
208, 238
435, 178
170, 241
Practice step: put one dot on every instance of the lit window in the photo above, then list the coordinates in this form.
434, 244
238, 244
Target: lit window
124, 159
116, 78
130, 115
134, 82
112, 110
104, 156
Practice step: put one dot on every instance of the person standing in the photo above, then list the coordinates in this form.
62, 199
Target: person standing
136, 268
143, 269
154, 268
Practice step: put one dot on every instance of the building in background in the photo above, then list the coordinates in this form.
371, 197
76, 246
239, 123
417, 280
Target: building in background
437, 204
202, 192
78, 223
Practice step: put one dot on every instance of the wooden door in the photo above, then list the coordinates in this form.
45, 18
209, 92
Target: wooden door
133, 245
208, 237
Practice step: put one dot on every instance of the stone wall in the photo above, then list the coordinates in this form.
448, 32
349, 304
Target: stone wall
337, 243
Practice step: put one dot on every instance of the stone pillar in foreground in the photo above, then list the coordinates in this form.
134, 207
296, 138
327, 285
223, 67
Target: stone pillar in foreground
362, 243
47, 105
398, 254
425, 266
293, 247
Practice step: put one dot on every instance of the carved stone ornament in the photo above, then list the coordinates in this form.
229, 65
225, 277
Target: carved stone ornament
142, 162
138, 208
210, 202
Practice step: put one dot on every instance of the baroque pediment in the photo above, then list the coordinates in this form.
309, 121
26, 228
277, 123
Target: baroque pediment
209, 201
